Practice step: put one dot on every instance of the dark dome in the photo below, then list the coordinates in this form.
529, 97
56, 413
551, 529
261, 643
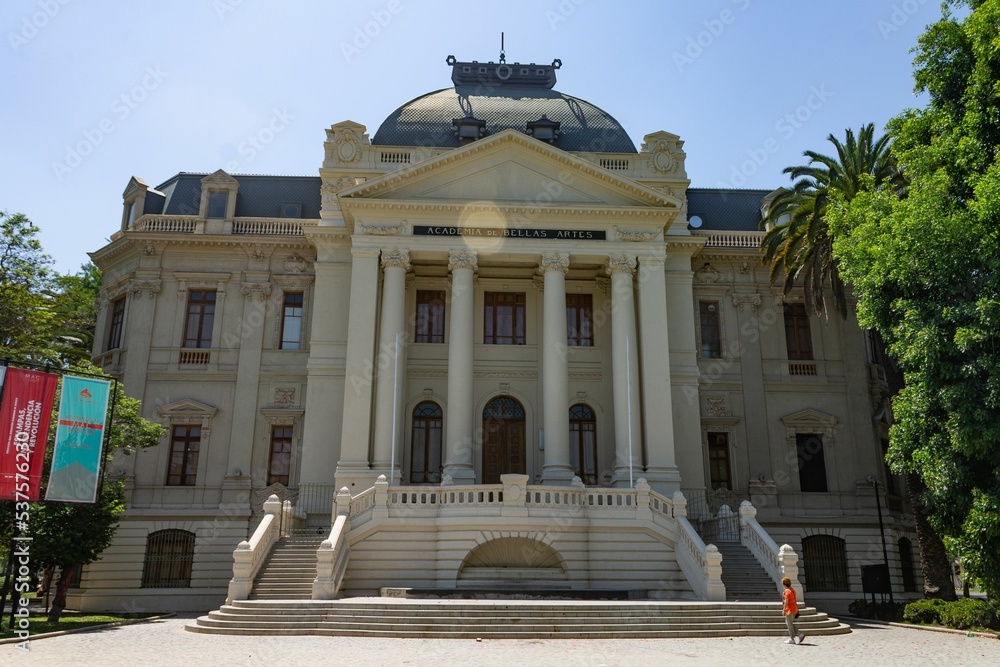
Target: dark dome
427, 120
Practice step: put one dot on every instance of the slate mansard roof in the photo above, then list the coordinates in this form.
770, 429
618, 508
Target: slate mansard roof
729, 210
257, 197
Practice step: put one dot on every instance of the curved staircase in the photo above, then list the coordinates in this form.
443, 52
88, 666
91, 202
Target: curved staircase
508, 619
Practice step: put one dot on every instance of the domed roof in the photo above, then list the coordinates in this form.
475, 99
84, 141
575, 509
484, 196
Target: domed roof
503, 97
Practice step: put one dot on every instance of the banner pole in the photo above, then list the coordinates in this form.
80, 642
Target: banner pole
107, 441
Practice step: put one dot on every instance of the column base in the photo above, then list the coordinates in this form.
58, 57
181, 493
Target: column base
664, 480
393, 476
356, 478
459, 474
620, 478
560, 475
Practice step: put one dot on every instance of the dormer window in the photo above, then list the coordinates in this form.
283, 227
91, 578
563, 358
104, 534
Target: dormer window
469, 128
544, 129
218, 200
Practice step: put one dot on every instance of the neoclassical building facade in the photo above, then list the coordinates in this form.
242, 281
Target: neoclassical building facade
496, 290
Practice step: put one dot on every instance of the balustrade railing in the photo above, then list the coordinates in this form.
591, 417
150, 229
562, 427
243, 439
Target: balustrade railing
250, 554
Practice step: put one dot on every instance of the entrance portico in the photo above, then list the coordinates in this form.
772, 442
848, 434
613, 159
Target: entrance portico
539, 305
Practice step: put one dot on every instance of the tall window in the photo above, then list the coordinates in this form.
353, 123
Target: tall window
168, 560
906, 565
812, 465
117, 323
579, 320
798, 337
718, 461
217, 203
291, 321
583, 443
430, 316
504, 318
200, 318
824, 559
280, 462
425, 450
185, 443
711, 341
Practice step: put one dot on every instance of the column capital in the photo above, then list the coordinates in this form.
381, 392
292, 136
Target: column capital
621, 264
463, 259
395, 258
554, 262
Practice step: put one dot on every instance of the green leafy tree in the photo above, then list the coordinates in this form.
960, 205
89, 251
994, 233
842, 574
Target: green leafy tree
25, 277
74, 315
926, 270
798, 244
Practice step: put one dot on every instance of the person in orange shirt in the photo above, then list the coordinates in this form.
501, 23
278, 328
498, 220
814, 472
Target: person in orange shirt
790, 611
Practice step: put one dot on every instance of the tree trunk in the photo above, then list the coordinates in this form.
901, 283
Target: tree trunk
59, 603
935, 565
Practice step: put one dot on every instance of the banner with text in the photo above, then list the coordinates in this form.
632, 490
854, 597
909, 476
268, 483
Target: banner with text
24, 431
76, 458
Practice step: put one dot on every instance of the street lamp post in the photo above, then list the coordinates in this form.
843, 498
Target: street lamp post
881, 532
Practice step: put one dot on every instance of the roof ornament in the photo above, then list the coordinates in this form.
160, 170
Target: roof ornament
503, 58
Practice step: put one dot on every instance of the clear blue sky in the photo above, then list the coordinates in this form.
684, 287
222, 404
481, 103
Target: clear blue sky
99, 91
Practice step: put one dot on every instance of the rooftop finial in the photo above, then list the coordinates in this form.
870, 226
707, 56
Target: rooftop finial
503, 58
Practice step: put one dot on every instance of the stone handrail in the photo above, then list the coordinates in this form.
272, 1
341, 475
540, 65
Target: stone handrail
250, 554
778, 563
174, 224
730, 239
700, 563
333, 554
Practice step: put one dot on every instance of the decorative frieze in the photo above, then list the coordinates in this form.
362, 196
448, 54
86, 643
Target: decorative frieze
284, 397
151, 287
707, 274
716, 406
384, 230
294, 263
636, 235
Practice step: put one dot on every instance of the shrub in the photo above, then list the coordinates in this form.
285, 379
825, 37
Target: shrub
884, 611
924, 611
970, 613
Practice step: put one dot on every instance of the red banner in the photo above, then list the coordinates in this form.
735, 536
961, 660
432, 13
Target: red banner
25, 414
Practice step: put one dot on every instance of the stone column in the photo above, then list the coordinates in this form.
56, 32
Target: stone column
459, 417
625, 370
555, 389
395, 264
353, 469
658, 418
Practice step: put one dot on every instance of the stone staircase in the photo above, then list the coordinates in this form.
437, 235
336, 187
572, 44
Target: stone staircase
743, 575
289, 570
508, 619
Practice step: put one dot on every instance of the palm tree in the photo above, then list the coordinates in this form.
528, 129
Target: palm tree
798, 243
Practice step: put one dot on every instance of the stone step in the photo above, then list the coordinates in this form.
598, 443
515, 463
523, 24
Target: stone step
374, 617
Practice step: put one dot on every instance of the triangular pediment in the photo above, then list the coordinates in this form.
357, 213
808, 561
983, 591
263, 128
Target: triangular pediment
218, 177
809, 417
134, 183
509, 168
187, 407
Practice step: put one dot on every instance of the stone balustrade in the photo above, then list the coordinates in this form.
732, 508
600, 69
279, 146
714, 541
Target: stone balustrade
250, 554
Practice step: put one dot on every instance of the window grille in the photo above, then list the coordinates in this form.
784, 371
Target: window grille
168, 561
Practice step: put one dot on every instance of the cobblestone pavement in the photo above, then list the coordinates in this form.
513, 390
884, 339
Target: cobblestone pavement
167, 643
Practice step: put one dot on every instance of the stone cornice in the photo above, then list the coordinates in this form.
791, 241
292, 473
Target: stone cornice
661, 216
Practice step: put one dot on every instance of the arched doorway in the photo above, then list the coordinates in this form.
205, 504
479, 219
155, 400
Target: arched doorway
503, 439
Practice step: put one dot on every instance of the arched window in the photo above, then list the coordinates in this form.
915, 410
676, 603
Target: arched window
824, 558
906, 565
583, 443
169, 556
425, 450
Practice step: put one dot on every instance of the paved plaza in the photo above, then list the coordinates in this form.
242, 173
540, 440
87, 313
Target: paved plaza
167, 643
